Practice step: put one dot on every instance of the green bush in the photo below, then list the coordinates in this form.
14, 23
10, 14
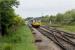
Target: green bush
7, 47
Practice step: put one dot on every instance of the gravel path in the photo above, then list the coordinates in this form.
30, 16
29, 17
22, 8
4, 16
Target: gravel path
43, 43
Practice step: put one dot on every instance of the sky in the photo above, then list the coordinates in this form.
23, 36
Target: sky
37, 8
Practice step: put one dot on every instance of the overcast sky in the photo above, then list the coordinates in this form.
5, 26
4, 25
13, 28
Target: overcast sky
37, 8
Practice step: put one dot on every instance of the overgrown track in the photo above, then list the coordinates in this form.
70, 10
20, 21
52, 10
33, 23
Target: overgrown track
53, 29
68, 36
62, 39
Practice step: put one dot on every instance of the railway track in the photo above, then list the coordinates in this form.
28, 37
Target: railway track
68, 36
62, 32
62, 39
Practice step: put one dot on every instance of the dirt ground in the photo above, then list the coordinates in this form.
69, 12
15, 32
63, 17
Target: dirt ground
43, 43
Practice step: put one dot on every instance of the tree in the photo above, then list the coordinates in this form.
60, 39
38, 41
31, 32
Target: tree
18, 21
52, 19
69, 17
7, 14
59, 18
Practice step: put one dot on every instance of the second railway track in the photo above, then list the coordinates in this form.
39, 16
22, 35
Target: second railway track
58, 37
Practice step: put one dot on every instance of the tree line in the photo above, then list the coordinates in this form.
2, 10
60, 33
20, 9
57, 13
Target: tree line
67, 18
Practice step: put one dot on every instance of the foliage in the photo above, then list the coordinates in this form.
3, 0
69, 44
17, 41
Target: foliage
18, 20
67, 18
29, 18
7, 13
21, 39
7, 47
8, 16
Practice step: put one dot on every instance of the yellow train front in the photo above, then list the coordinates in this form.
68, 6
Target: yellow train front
36, 24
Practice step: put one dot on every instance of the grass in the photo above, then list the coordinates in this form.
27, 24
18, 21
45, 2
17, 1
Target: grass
63, 27
21, 39
67, 28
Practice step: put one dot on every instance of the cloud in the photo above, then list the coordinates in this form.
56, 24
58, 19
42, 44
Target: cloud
36, 7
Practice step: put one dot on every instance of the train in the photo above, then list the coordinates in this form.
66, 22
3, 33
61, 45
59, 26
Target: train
36, 23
